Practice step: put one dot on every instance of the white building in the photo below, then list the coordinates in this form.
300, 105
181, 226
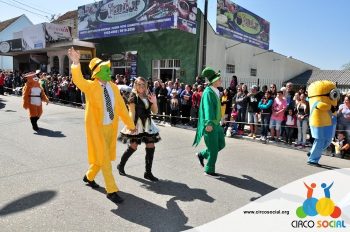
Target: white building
7, 29
250, 63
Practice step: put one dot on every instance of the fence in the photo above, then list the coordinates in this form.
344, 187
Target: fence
249, 81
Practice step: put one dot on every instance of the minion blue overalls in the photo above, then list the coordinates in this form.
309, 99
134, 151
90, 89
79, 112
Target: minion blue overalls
323, 137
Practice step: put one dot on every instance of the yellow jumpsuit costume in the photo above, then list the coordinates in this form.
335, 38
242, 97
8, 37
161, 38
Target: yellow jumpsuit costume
101, 139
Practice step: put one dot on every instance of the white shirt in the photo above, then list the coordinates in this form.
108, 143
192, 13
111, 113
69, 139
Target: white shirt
216, 91
106, 119
35, 91
290, 120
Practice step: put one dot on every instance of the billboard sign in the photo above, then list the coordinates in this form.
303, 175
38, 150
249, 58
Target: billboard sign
56, 32
235, 22
187, 15
34, 37
122, 17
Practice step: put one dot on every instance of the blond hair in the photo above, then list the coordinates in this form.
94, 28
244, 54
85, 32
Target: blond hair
136, 82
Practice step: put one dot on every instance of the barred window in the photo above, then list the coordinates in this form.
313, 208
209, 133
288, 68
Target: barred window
230, 68
253, 72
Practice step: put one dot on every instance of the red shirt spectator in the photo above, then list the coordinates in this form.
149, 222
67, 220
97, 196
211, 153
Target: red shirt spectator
196, 97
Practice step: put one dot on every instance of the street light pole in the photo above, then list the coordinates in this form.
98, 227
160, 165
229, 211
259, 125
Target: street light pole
204, 50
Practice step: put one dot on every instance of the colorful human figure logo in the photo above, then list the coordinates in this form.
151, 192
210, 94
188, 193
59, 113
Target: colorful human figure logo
323, 206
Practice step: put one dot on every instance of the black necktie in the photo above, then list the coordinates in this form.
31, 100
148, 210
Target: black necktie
108, 103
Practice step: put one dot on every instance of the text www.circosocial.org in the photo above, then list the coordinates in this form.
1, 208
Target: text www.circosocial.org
257, 212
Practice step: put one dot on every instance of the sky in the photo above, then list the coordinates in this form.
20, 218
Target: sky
314, 31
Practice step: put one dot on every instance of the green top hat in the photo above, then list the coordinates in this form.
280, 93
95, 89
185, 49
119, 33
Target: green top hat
211, 75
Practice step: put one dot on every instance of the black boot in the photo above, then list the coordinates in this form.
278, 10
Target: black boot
34, 126
127, 153
149, 160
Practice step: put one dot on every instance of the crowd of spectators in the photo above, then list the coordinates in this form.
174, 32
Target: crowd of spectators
267, 113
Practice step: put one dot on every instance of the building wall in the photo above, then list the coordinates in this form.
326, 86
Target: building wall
271, 66
6, 62
167, 44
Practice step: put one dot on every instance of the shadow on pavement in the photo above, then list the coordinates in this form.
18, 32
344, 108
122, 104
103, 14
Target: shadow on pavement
155, 217
248, 183
49, 133
150, 215
327, 167
99, 189
179, 190
2, 104
27, 202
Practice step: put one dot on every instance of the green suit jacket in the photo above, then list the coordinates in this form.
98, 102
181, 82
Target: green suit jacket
209, 113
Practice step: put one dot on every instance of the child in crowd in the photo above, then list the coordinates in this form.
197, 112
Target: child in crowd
291, 123
174, 107
232, 126
341, 146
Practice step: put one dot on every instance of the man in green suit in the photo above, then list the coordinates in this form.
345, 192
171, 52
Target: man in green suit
209, 117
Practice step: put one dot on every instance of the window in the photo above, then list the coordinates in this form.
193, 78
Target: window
167, 69
155, 63
230, 68
177, 63
253, 72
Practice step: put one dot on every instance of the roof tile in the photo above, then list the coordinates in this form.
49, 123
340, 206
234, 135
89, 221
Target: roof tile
6, 23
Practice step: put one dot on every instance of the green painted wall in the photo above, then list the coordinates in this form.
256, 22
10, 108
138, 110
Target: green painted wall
166, 44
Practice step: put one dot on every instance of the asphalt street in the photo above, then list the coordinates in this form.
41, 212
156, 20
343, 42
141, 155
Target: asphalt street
42, 188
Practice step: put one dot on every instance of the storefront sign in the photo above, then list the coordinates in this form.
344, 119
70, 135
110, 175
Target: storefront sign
131, 58
235, 22
57, 32
121, 17
126, 60
85, 55
13, 45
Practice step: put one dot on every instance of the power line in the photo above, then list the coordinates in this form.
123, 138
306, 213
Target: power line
43, 16
32, 7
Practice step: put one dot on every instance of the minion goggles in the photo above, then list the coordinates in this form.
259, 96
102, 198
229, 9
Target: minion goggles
334, 94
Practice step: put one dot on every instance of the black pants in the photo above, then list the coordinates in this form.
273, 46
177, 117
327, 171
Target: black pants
186, 110
289, 131
174, 116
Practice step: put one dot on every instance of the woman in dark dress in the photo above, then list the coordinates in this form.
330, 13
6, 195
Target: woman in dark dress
141, 103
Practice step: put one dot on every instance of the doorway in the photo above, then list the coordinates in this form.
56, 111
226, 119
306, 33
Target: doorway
167, 74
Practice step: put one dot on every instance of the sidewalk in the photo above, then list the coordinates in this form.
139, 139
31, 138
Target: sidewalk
306, 149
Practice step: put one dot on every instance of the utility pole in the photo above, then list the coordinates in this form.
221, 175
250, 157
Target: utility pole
204, 52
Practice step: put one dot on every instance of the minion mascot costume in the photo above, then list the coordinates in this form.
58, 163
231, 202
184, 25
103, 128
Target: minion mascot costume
33, 96
104, 106
323, 99
209, 116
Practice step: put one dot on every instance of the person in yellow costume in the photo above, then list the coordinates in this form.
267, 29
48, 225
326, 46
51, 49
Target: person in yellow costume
104, 106
323, 99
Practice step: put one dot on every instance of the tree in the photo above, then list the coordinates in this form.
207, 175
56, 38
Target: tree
346, 66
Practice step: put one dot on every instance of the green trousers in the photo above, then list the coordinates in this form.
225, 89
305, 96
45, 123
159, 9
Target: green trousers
215, 142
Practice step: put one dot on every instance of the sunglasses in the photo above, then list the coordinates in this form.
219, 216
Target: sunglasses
142, 85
